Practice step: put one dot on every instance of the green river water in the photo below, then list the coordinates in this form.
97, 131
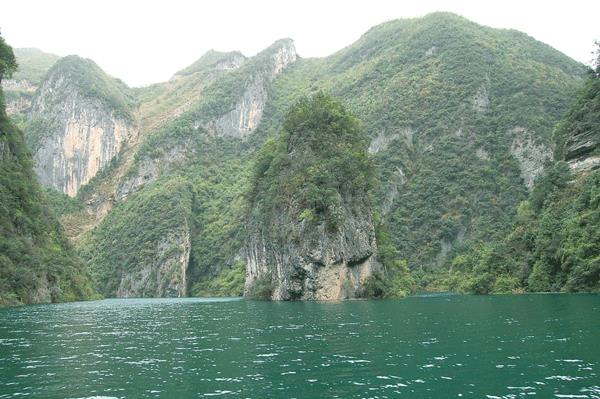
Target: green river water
545, 346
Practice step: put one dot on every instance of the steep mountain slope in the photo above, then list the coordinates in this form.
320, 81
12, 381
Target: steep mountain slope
78, 122
459, 119
554, 243
37, 263
578, 135
197, 145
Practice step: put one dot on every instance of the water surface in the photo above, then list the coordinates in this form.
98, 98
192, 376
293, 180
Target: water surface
545, 346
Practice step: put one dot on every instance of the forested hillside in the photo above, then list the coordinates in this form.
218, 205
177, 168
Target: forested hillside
458, 121
554, 243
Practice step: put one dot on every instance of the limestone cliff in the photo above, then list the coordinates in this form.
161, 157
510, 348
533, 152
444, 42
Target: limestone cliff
307, 262
578, 135
582, 147
531, 154
229, 106
165, 275
310, 234
77, 124
247, 110
37, 263
143, 246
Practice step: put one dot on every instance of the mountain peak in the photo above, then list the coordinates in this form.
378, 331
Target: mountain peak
213, 59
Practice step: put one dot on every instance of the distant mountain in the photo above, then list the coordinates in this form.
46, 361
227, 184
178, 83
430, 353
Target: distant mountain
33, 65
459, 119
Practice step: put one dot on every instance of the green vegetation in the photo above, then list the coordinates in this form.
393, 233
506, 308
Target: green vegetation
317, 167
261, 289
60, 203
131, 236
554, 243
37, 263
33, 64
8, 62
210, 60
93, 83
229, 283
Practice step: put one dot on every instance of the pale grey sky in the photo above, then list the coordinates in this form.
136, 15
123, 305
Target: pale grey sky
143, 42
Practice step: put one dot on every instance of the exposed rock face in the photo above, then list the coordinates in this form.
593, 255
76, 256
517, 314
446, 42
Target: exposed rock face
381, 142
303, 244
581, 143
585, 164
81, 135
149, 169
18, 85
578, 149
481, 100
167, 275
318, 265
531, 155
232, 62
244, 118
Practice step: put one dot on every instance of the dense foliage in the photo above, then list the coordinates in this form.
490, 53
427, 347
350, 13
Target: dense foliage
554, 243
131, 235
37, 263
8, 62
317, 166
442, 100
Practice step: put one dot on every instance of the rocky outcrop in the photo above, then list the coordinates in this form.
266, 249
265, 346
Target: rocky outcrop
308, 236
382, 141
149, 169
481, 100
579, 151
213, 60
75, 135
167, 275
310, 262
531, 154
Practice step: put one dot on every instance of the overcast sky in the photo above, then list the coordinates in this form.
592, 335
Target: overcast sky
143, 42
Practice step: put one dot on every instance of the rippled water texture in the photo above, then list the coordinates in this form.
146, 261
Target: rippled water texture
428, 347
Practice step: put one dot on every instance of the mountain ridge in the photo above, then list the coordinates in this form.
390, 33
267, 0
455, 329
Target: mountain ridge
459, 119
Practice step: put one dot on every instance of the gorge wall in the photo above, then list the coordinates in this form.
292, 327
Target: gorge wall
459, 118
